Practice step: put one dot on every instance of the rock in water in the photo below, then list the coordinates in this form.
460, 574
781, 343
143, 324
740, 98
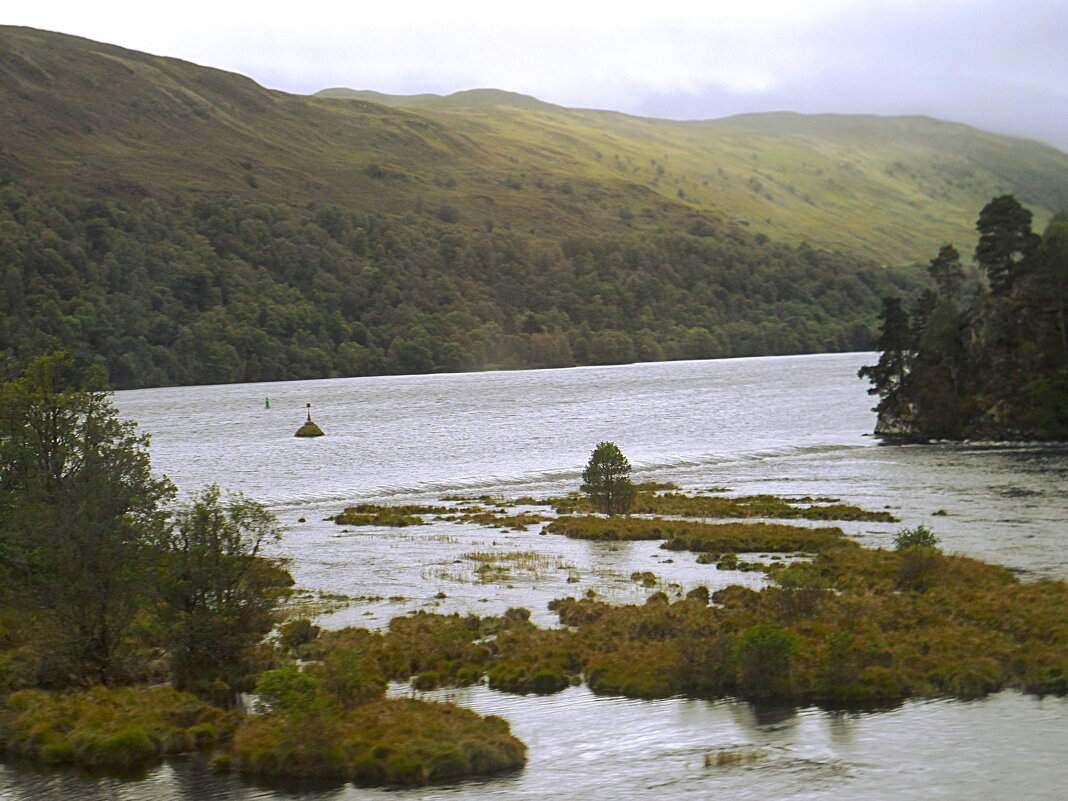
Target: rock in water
309, 429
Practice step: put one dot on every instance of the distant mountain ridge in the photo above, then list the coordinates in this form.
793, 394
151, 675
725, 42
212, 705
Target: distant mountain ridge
86, 116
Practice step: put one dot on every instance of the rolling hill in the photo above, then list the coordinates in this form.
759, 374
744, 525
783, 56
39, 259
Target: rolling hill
85, 116
186, 225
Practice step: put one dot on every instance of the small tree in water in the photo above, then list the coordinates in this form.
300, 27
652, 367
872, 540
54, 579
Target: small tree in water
606, 480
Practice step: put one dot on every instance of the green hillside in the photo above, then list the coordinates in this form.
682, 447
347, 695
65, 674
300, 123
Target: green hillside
891, 189
184, 225
80, 115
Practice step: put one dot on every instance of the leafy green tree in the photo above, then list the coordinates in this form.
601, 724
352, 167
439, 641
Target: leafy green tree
1006, 245
220, 594
78, 507
606, 480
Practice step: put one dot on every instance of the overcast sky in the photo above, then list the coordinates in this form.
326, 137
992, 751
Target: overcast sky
1001, 65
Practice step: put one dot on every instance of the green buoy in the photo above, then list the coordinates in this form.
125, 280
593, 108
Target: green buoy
309, 429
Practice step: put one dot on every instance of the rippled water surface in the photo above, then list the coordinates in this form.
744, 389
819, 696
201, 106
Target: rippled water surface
784, 425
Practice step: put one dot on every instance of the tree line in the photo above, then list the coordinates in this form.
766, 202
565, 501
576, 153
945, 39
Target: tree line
221, 289
989, 362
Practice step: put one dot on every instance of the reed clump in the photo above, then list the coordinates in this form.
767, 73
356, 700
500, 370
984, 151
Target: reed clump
370, 514
734, 756
612, 529
723, 538
842, 628
495, 519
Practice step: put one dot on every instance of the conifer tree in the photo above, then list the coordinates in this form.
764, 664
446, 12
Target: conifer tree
1007, 245
606, 480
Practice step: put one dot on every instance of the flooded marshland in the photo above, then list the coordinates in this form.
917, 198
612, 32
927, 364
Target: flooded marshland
791, 426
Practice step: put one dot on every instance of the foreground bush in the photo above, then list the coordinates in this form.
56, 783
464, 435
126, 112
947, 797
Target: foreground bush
112, 731
395, 741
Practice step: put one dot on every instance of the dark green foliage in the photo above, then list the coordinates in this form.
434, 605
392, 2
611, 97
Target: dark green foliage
921, 537
78, 511
606, 480
297, 633
896, 344
765, 659
1006, 243
223, 290
946, 271
220, 595
996, 368
287, 690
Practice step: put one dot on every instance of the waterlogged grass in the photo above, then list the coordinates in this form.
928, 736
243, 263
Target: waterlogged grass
370, 514
734, 756
498, 566
846, 628
748, 506
711, 538
385, 742
496, 519
652, 499
612, 529
852, 626
108, 730
309, 603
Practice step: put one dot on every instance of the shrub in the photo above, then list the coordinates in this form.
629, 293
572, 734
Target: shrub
919, 537
296, 633
288, 690
765, 660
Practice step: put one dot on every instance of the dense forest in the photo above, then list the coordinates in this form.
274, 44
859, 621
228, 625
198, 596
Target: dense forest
990, 364
213, 290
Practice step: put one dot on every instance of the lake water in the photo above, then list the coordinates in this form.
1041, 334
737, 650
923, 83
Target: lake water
781, 425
